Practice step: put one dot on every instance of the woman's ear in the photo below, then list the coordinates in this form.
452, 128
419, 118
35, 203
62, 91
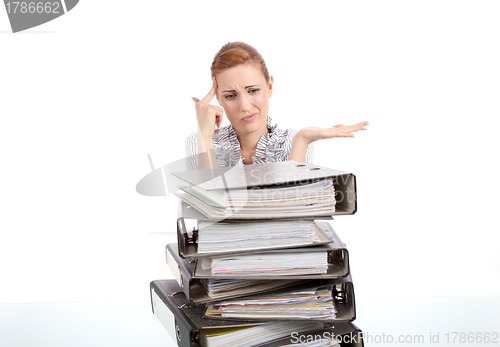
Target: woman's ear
270, 87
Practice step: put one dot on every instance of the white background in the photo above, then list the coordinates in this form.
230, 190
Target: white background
85, 98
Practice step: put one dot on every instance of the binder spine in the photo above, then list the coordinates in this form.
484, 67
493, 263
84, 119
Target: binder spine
182, 235
186, 240
184, 336
183, 328
174, 267
339, 256
182, 273
343, 295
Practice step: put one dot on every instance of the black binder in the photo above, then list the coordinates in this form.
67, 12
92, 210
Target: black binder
183, 320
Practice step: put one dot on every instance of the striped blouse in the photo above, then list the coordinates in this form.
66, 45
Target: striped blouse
272, 146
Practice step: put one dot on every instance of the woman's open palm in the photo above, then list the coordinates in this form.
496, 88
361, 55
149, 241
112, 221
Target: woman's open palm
311, 134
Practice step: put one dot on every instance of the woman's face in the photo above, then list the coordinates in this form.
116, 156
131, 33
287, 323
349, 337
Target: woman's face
243, 93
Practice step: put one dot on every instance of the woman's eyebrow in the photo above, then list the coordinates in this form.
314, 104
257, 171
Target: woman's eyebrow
234, 91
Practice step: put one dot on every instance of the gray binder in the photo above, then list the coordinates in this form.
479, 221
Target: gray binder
183, 320
338, 261
192, 286
187, 234
342, 292
268, 175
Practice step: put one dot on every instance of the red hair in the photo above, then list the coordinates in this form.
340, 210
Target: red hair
236, 53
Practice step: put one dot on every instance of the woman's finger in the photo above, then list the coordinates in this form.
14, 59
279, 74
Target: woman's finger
355, 127
362, 125
217, 108
218, 115
196, 100
211, 93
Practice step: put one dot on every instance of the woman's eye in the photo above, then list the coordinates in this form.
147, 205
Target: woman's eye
230, 96
253, 91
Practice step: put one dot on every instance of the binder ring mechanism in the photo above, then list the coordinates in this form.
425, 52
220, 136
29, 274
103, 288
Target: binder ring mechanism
312, 169
185, 234
178, 333
175, 293
340, 294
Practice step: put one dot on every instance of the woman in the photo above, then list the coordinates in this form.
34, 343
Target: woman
242, 86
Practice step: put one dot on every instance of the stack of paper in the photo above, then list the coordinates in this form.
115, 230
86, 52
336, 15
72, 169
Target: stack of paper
315, 303
272, 263
219, 288
253, 335
233, 237
316, 198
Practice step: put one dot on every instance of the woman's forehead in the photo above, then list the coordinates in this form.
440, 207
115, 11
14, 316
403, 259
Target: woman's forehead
240, 76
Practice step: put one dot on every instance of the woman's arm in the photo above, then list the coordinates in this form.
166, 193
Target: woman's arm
206, 154
208, 117
308, 135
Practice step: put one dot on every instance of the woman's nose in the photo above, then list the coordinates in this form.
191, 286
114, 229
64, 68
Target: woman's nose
245, 103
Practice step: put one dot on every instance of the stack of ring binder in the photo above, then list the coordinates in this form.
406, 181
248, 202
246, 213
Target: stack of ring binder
257, 262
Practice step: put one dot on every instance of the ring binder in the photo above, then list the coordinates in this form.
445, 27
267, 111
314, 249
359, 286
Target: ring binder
337, 253
188, 247
269, 175
342, 292
192, 286
185, 322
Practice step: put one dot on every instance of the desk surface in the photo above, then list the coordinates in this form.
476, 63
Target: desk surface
133, 324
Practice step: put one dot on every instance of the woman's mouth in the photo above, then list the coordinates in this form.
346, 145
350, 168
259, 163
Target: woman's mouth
249, 118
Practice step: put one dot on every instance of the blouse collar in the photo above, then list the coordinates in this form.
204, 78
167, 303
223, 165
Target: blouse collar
266, 147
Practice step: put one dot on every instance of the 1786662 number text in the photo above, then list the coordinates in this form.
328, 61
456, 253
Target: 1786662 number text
32, 7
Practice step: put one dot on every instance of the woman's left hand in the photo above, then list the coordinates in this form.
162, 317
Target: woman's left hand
307, 135
312, 134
